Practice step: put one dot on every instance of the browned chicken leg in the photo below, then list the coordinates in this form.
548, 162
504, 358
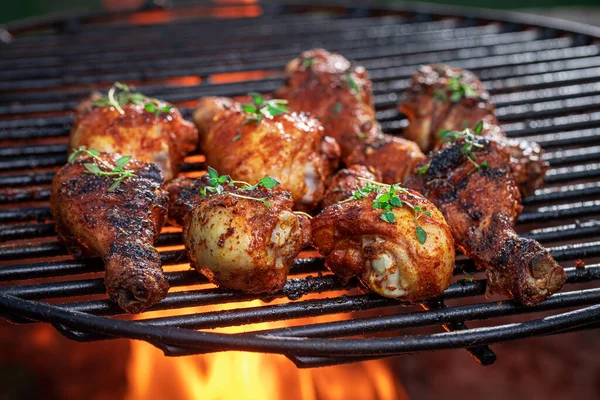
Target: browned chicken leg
96, 216
130, 123
470, 181
250, 141
441, 98
340, 96
393, 239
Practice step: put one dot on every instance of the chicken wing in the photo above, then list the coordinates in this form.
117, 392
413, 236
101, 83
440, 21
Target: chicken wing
394, 240
249, 142
340, 96
441, 99
98, 214
130, 123
471, 182
241, 239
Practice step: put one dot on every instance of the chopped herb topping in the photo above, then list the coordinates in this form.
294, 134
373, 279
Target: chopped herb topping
217, 182
458, 89
117, 172
387, 199
467, 278
120, 94
423, 170
337, 107
469, 146
261, 108
362, 135
308, 62
352, 84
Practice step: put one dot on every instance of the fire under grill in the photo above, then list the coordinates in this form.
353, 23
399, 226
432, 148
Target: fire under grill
544, 77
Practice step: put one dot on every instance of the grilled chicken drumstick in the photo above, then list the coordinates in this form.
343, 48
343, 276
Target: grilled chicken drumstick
109, 206
249, 141
441, 98
130, 123
342, 185
339, 95
240, 239
470, 181
393, 239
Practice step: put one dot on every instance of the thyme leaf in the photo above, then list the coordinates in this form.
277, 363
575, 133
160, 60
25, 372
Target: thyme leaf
118, 172
121, 94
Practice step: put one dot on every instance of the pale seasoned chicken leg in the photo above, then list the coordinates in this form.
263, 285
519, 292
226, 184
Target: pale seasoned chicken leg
119, 224
239, 239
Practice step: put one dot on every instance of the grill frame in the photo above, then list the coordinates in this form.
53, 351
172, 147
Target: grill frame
304, 348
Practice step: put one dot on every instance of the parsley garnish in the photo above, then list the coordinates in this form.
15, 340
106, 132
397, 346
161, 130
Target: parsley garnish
470, 145
120, 94
217, 182
387, 199
261, 108
117, 172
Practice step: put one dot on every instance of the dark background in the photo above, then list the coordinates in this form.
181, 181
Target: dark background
16, 9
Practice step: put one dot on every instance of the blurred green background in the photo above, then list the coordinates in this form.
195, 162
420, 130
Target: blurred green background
16, 9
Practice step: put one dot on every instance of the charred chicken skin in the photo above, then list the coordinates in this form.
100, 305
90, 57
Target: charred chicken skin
441, 98
471, 182
405, 252
247, 145
240, 239
96, 217
147, 129
340, 96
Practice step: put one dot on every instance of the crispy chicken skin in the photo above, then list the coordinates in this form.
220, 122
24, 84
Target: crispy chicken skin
344, 183
481, 207
340, 96
387, 257
119, 226
290, 147
164, 139
429, 105
239, 244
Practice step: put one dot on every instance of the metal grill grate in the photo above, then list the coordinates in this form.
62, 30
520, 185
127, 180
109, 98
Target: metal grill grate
544, 79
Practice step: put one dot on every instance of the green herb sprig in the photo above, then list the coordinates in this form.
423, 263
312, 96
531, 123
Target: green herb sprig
470, 145
467, 278
455, 90
120, 94
308, 62
261, 108
387, 199
117, 172
216, 185
352, 84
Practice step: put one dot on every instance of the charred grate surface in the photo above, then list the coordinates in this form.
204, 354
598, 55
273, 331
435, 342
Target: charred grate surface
543, 76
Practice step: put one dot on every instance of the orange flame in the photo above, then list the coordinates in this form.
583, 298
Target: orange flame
241, 375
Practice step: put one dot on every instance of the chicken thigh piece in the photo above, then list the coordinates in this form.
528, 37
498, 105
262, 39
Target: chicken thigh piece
393, 239
340, 96
441, 99
249, 141
471, 182
240, 239
117, 217
130, 123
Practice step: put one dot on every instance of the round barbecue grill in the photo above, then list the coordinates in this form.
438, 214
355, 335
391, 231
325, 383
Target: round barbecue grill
544, 77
